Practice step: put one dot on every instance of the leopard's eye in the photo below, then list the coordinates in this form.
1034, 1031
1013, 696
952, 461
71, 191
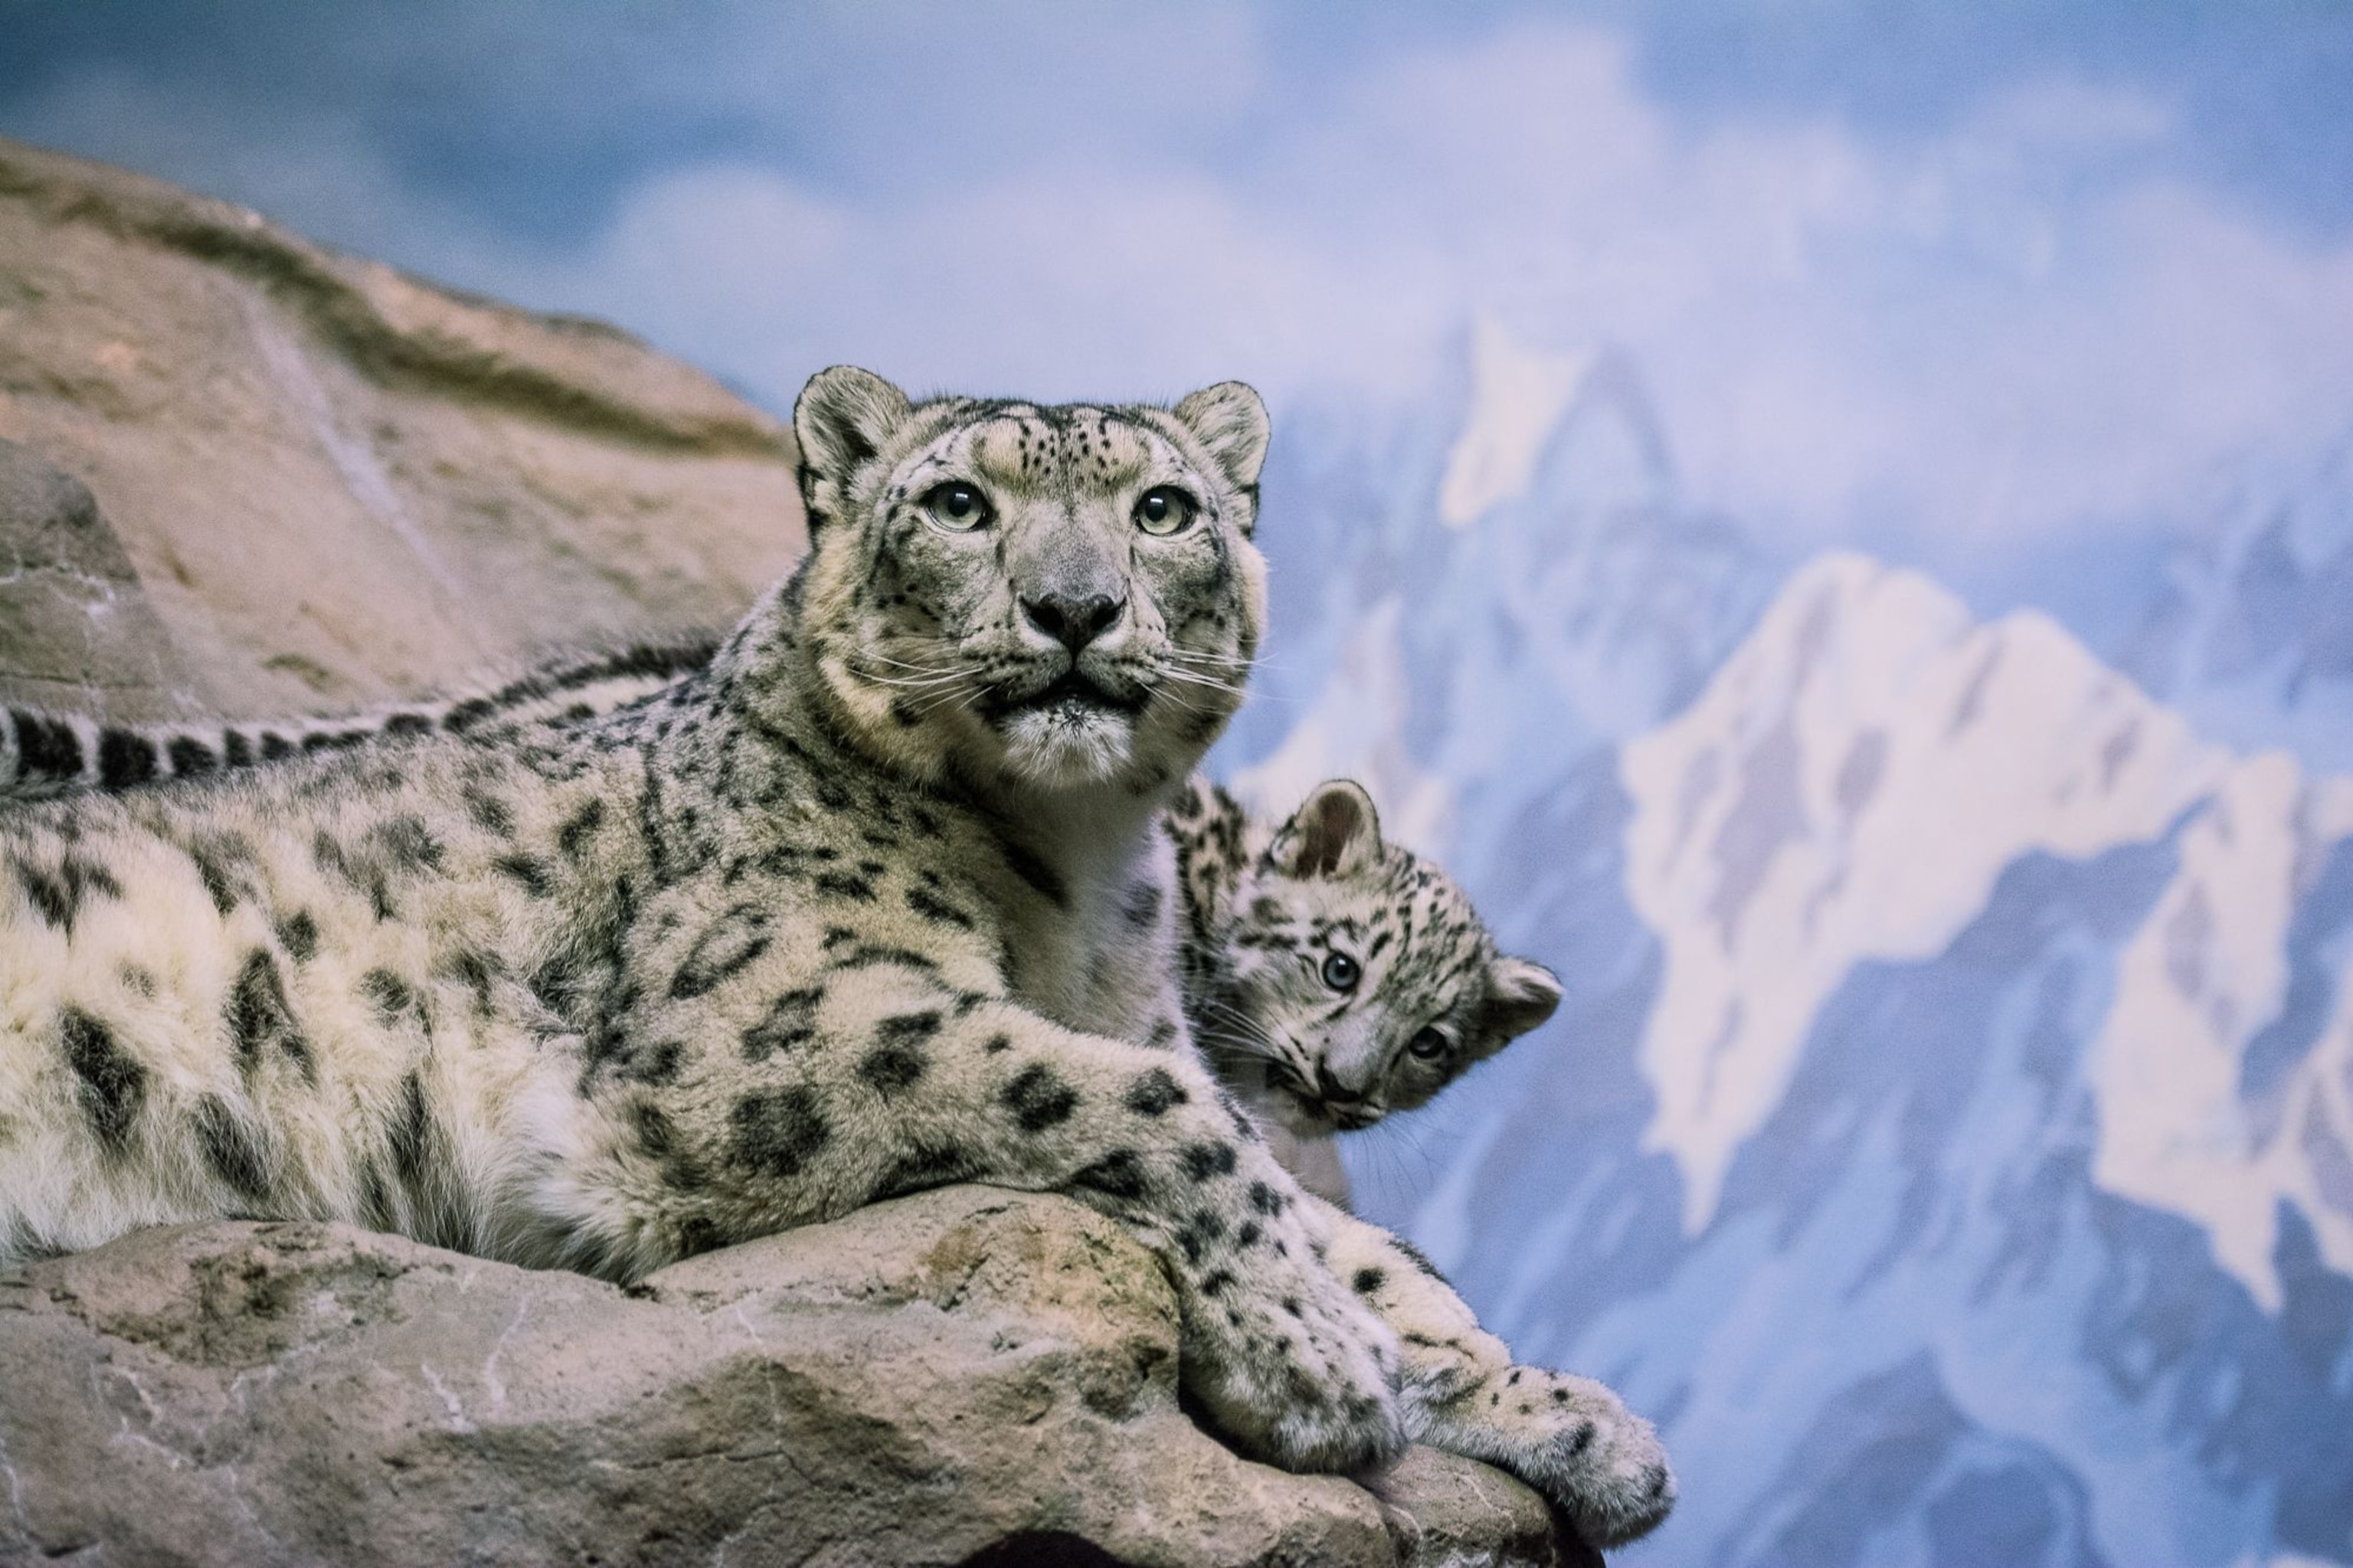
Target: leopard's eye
1427, 1045
957, 506
1163, 510
1340, 972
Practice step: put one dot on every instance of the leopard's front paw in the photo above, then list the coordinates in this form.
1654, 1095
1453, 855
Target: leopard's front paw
1295, 1369
1598, 1462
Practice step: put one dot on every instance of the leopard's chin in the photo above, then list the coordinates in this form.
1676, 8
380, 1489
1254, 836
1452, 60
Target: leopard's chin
1068, 741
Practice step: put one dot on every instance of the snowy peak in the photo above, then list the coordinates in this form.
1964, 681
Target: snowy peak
2224, 1070
2254, 637
1353, 730
1577, 427
1849, 786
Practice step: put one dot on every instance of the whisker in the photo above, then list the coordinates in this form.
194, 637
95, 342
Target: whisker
924, 684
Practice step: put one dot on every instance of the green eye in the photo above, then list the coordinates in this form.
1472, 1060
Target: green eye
1427, 1045
1163, 510
1340, 973
957, 507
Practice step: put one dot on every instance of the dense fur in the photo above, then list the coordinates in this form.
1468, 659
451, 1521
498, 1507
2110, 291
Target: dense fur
874, 901
1266, 904
46, 755
1333, 976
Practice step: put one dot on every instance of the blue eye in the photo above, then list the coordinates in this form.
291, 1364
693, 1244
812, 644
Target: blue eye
1427, 1045
1340, 973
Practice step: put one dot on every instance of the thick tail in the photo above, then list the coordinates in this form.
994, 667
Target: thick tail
44, 754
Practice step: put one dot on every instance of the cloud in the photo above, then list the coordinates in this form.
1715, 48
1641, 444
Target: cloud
2025, 326
2026, 323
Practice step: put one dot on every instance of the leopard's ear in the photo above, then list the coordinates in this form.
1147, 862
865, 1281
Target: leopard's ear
843, 417
1336, 833
1229, 418
1519, 996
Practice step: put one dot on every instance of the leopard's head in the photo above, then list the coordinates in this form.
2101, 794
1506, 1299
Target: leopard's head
1354, 978
1031, 594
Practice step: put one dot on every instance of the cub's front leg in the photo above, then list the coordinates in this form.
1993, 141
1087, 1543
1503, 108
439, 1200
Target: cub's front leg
1570, 1437
822, 1093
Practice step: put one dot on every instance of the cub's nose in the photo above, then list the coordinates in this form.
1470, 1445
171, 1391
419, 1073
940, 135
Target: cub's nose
1072, 620
1331, 1091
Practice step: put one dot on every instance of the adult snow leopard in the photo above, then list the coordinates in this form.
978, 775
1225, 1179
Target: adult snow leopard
851, 912
1332, 977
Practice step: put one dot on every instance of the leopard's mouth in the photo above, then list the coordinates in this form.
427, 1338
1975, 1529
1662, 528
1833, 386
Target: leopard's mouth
1074, 693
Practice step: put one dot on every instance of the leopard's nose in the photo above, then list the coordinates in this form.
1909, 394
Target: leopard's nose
1072, 620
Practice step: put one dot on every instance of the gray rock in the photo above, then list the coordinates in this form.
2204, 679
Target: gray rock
74, 621
969, 1375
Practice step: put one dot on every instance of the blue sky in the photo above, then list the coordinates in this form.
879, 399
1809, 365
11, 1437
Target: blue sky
1968, 284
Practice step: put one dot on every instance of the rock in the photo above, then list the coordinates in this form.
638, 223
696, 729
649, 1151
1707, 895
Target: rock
73, 619
969, 1375
337, 484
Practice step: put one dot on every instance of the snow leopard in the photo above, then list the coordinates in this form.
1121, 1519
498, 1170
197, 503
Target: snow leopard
874, 901
1336, 977
1332, 977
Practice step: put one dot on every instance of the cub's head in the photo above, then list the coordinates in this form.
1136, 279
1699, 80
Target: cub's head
1039, 596
1355, 975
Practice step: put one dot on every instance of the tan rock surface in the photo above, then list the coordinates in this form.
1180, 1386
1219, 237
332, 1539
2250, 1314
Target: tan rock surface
336, 483
969, 1375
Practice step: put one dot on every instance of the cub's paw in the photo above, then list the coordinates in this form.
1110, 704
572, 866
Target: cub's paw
1294, 1369
1598, 1462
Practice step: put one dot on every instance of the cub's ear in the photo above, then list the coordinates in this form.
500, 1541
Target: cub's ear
1519, 996
841, 420
1230, 420
1336, 833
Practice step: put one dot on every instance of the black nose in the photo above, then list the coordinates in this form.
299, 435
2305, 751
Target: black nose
1332, 1090
1072, 620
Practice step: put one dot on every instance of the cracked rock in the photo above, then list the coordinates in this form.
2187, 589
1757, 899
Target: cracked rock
75, 625
965, 1376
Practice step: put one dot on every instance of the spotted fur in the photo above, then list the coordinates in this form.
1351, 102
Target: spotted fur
44, 755
847, 912
1332, 977
1265, 906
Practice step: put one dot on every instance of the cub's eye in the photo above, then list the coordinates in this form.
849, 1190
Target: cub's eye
1163, 510
957, 507
1340, 972
1427, 1045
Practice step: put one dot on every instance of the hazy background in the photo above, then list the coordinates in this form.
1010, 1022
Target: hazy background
1985, 286
1948, 1133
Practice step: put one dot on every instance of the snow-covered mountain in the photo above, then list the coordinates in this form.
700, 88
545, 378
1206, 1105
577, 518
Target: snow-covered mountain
1949, 1131
1521, 539
2254, 637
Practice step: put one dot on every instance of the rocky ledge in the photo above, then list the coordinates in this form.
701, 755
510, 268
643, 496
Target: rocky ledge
965, 1376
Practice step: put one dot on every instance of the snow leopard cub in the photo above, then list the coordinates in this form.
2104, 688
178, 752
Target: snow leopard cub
876, 901
1332, 977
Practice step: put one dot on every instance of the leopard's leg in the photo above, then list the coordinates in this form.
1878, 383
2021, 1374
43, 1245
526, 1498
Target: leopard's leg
879, 1081
1570, 1437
